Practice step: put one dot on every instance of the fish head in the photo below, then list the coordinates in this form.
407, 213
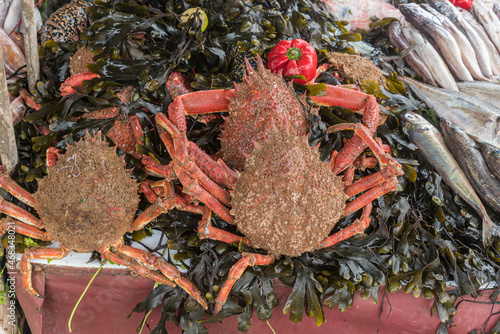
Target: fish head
412, 121
440, 6
410, 10
417, 15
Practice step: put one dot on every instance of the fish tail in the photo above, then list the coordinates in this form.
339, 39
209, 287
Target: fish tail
490, 229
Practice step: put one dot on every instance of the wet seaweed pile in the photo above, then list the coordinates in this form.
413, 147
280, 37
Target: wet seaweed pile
421, 238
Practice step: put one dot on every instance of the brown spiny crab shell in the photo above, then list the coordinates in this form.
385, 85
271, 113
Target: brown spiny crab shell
88, 199
286, 200
79, 60
259, 97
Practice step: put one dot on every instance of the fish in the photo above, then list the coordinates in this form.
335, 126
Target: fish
479, 119
485, 15
492, 157
13, 16
492, 51
412, 59
469, 157
424, 49
17, 109
485, 91
13, 57
466, 50
431, 145
480, 50
443, 40
18, 38
360, 12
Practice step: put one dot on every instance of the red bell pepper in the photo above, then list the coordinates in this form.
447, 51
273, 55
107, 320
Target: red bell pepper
293, 57
465, 4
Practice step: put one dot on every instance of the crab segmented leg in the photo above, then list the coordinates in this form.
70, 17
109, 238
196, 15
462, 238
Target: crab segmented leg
196, 182
216, 170
135, 266
358, 226
201, 102
355, 100
22, 228
369, 181
38, 253
157, 263
365, 135
247, 260
16, 190
18, 213
207, 231
370, 195
168, 201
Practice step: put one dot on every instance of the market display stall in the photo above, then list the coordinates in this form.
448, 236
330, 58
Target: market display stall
237, 165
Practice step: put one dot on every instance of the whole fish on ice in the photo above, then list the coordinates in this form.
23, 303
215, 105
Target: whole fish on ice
491, 48
443, 40
483, 58
469, 157
479, 119
431, 57
399, 40
485, 15
466, 49
485, 91
431, 145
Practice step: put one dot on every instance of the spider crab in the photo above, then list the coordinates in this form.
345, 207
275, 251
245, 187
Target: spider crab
86, 202
269, 182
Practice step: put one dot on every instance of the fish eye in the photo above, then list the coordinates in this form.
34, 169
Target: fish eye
410, 116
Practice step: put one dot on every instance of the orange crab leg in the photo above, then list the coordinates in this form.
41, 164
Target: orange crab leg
154, 168
357, 227
24, 229
201, 102
364, 133
364, 162
216, 170
20, 214
38, 253
16, 190
247, 259
52, 156
370, 195
350, 99
207, 231
355, 100
164, 204
193, 189
134, 266
186, 167
28, 99
196, 183
368, 182
158, 263
135, 126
